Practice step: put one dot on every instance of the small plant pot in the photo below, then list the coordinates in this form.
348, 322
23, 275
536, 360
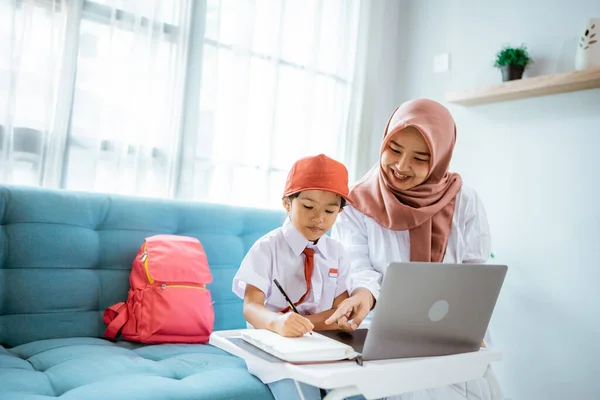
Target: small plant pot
512, 72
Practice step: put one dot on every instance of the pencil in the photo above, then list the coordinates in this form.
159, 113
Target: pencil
285, 296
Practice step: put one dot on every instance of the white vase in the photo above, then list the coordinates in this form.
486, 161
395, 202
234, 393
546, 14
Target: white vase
588, 46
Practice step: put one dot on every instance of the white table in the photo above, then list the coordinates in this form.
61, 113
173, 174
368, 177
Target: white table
374, 379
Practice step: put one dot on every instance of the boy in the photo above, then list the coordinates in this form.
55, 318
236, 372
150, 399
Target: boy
307, 263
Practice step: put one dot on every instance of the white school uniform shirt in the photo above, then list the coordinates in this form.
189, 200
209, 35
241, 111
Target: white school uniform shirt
278, 255
371, 247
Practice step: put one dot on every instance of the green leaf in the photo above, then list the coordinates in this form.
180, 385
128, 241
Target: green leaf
513, 56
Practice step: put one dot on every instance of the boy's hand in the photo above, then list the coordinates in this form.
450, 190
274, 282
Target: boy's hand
292, 325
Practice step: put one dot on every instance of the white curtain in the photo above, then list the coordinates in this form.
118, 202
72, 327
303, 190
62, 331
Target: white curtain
202, 100
276, 85
127, 99
32, 38
380, 66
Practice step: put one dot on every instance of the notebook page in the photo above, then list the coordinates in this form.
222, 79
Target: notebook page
305, 344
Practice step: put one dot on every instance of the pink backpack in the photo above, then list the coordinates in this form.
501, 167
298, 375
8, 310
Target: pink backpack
168, 301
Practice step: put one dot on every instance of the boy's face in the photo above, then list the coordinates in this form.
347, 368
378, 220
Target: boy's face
313, 212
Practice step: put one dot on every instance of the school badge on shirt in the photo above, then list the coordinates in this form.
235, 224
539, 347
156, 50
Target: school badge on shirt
333, 272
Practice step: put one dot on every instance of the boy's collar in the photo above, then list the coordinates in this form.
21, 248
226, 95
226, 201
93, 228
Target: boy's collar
298, 243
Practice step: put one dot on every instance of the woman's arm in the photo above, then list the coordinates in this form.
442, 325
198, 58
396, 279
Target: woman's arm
477, 236
350, 230
255, 312
364, 282
318, 320
478, 244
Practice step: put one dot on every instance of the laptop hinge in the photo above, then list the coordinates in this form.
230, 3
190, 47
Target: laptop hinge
358, 358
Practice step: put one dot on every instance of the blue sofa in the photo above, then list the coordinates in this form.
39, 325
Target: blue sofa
65, 256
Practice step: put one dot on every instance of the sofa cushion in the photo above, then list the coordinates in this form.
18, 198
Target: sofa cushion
66, 256
90, 368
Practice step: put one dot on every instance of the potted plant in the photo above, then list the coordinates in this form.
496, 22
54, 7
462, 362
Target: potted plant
512, 62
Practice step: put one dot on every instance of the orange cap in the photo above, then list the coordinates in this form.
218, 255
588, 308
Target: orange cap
317, 173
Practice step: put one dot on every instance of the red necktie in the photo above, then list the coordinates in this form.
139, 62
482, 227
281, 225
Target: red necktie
309, 266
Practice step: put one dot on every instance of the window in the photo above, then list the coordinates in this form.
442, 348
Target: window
276, 85
30, 37
147, 97
123, 126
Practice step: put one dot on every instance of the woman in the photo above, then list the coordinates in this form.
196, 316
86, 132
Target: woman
410, 208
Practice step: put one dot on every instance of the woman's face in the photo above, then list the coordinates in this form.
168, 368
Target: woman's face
406, 159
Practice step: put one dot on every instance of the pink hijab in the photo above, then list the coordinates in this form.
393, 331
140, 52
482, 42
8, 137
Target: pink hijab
426, 210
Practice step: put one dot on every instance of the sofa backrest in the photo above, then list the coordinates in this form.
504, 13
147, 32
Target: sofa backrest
65, 256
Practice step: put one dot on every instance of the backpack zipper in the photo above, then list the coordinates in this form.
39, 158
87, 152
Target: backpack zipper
144, 259
165, 286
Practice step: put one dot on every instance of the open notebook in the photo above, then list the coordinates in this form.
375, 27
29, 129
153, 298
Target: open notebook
307, 348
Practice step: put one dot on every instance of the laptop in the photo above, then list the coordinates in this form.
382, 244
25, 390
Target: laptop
428, 309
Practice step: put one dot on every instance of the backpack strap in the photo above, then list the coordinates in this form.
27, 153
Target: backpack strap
115, 317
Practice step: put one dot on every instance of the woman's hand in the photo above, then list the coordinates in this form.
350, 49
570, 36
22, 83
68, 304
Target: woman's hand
292, 325
355, 309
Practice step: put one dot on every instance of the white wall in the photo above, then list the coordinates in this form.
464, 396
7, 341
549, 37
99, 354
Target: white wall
535, 162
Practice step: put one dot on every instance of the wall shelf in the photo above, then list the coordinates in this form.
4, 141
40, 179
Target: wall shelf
529, 87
